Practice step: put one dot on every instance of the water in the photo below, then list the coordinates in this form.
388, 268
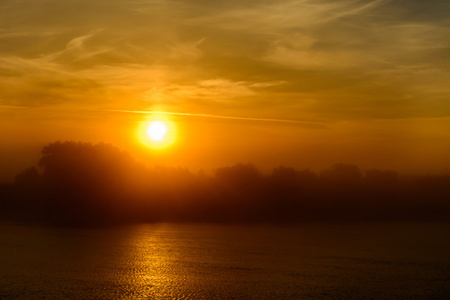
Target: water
205, 261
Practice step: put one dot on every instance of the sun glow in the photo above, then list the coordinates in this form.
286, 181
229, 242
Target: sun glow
157, 132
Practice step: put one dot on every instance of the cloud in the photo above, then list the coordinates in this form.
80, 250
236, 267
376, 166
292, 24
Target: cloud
186, 51
211, 90
274, 17
343, 59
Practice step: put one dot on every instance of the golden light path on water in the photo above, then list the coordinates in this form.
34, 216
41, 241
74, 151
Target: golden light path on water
218, 261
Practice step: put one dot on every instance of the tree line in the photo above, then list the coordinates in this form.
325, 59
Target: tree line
81, 184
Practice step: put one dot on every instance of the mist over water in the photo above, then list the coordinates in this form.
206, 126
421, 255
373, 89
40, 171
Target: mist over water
206, 261
80, 184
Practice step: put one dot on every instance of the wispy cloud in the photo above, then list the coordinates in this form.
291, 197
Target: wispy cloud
294, 57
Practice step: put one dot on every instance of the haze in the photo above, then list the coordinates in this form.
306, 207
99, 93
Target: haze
299, 83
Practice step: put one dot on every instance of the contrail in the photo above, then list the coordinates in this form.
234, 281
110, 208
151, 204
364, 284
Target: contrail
148, 112
217, 116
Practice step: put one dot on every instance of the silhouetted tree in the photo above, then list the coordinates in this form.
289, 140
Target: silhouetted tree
381, 183
85, 184
344, 175
7, 197
238, 191
341, 191
28, 178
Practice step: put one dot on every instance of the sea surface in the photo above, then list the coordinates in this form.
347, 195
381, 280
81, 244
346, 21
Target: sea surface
210, 261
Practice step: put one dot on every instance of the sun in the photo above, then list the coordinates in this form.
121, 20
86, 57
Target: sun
157, 130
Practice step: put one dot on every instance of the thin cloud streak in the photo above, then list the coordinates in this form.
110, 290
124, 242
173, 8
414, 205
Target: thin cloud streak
306, 123
354, 11
309, 124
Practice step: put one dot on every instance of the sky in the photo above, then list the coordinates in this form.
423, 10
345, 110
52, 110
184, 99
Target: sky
305, 83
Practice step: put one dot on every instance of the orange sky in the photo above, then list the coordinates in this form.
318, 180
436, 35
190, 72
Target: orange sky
299, 83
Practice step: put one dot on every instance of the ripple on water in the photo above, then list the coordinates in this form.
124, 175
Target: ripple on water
167, 261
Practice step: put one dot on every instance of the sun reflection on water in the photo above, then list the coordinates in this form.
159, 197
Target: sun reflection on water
205, 261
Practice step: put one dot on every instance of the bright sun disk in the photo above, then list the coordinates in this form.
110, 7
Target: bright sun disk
157, 130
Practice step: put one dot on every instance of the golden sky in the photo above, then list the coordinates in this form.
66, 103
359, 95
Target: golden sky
303, 83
